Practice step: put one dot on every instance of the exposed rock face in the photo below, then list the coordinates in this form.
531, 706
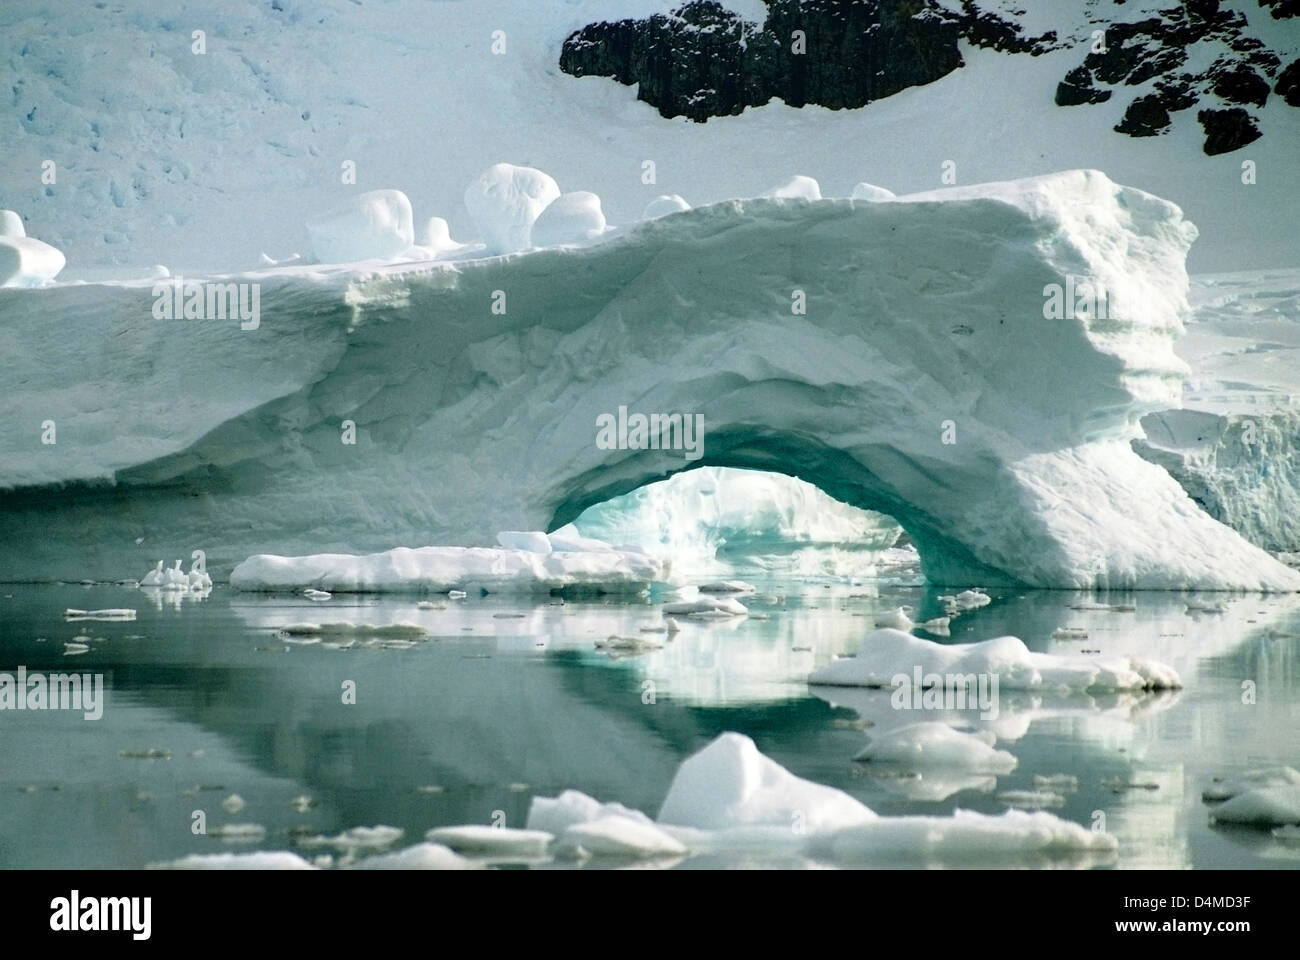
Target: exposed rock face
703, 61
1145, 117
1226, 130
1288, 84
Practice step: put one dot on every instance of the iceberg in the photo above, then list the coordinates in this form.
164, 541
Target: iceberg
377, 225
393, 405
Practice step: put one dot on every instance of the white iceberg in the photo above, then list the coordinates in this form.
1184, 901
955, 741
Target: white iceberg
868, 191
934, 744
571, 218
493, 841
663, 205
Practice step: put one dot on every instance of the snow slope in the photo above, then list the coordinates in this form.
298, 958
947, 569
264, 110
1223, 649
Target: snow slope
203, 161
925, 321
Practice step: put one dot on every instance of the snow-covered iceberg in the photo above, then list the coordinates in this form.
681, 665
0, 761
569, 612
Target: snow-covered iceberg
896, 355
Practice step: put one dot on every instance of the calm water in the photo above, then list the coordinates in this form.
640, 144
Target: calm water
495, 709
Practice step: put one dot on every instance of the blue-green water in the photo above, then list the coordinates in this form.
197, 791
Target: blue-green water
495, 708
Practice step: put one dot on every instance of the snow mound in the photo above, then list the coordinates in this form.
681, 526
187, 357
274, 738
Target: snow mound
663, 205
867, 191
938, 745
494, 841
435, 240
442, 569
797, 187
570, 218
376, 225
888, 654
11, 225
729, 783
505, 201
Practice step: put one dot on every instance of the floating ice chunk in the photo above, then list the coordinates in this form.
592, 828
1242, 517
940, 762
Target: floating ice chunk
1224, 789
937, 744
797, 187
238, 832
496, 841
505, 201
886, 654
358, 838
117, 613
233, 803
614, 643
1261, 807
421, 856
727, 586
154, 578
618, 836
663, 205
437, 569
258, 860
1031, 799
896, 619
570, 218
869, 191
399, 630
554, 815
28, 262
1056, 781
11, 225
534, 541
707, 607
1287, 834
376, 225
963, 836
318, 595
730, 784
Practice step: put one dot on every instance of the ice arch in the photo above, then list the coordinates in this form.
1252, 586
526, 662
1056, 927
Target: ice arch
841, 341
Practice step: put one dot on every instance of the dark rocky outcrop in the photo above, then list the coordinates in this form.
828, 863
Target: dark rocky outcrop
1288, 84
1227, 130
1077, 89
703, 61
1239, 83
1145, 117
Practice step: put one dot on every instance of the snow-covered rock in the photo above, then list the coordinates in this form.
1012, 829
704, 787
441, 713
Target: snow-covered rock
663, 205
376, 225
568, 219
925, 317
729, 783
505, 201
888, 654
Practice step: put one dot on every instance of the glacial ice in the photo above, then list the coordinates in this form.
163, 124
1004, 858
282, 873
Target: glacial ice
467, 427
797, 187
935, 744
376, 225
505, 201
571, 218
663, 205
888, 653
868, 191
28, 262
478, 839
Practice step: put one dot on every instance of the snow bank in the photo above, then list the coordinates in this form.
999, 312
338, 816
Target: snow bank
11, 225
441, 569
924, 319
796, 188
888, 653
505, 201
377, 225
570, 218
